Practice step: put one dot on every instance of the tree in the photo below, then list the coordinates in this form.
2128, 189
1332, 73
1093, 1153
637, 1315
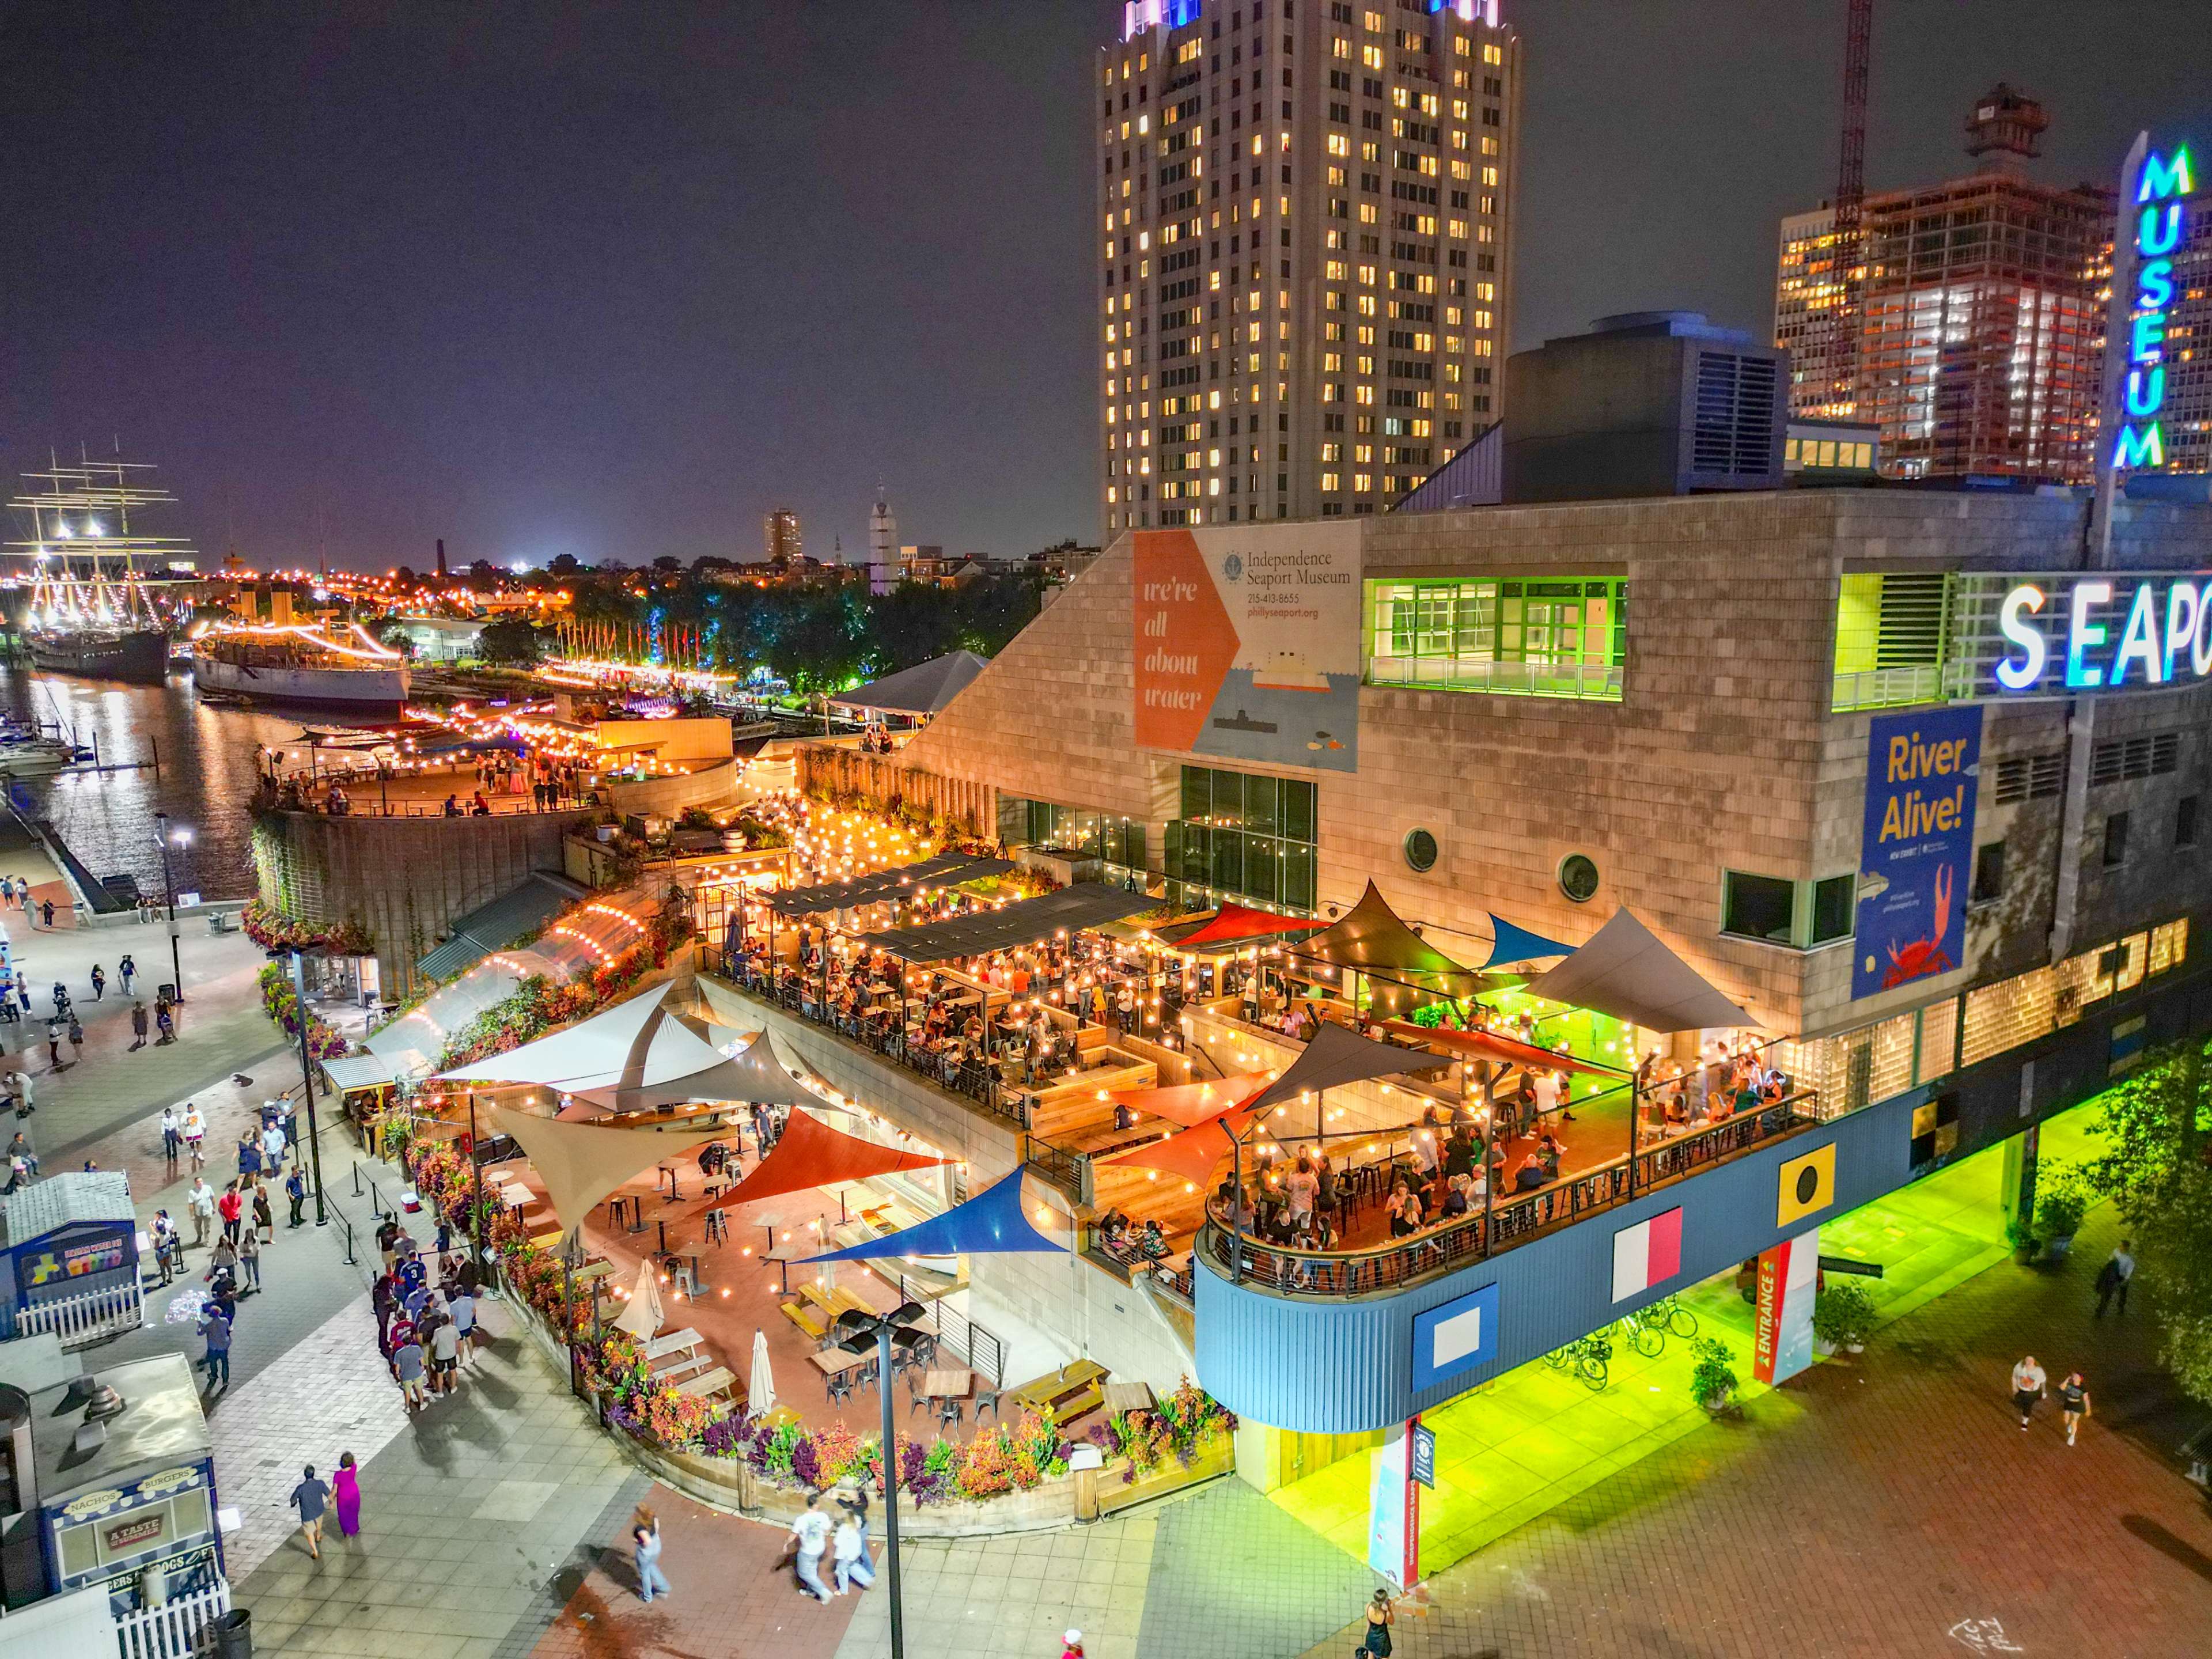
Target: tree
2155, 1125
509, 639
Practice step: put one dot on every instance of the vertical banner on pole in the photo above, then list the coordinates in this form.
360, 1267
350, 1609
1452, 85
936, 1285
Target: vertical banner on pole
1393, 1524
1787, 1276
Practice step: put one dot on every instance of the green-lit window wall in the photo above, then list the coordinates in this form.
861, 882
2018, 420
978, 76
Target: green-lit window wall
1562, 637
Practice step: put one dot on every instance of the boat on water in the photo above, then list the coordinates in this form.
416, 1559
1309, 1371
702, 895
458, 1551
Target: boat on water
302, 666
92, 612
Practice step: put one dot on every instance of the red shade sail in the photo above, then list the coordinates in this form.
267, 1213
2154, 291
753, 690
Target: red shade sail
812, 1154
1494, 1046
1232, 922
1191, 1103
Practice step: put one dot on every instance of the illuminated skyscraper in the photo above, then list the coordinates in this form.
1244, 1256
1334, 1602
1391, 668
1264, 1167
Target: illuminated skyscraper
1304, 221
1982, 315
779, 535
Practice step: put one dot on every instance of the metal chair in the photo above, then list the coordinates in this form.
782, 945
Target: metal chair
987, 1398
916, 1398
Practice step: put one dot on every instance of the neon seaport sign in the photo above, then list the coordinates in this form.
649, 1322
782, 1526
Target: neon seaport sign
2106, 631
2160, 186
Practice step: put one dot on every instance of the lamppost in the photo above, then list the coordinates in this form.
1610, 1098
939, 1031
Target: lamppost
183, 838
854, 1331
307, 1083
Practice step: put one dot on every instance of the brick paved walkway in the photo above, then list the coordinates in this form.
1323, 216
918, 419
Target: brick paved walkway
1881, 1506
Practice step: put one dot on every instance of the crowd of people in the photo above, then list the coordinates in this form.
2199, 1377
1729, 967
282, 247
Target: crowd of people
548, 783
426, 1313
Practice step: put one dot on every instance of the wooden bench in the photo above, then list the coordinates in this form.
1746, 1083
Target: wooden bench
816, 1327
720, 1380
682, 1366
686, 1340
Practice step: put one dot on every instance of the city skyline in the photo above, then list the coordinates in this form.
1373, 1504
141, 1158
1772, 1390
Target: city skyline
565, 287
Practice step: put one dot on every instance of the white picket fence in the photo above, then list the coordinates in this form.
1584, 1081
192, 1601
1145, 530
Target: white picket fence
171, 1631
86, 1317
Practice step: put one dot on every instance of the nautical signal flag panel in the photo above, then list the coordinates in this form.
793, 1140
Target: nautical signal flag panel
1805, 1185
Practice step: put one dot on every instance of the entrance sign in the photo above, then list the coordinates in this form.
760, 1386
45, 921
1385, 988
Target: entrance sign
1787, 1276
1917, 848
2104, 633
1247, 642
1394, 1511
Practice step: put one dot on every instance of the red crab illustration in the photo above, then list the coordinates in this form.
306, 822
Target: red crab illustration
1924, 956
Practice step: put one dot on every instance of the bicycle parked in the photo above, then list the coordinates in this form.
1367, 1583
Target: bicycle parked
1647, 1328
1586, 1356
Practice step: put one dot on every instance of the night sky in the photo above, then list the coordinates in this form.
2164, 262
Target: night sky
614, 280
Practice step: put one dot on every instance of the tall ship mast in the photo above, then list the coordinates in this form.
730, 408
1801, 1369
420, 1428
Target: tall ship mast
92, 612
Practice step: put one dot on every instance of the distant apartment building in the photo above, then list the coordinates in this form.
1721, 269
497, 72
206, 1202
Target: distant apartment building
1303, 261
780, 537
1979, 328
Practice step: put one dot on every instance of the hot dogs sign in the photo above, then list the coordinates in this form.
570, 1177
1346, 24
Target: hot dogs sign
1248, 642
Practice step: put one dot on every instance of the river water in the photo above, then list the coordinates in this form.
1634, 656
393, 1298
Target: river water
209, 758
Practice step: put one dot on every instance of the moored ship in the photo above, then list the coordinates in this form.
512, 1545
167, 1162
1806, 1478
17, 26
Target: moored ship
90, 613
338, 668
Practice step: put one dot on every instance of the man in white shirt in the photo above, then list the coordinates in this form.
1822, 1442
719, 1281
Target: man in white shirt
201, 1200
811, 1529
2028, 1386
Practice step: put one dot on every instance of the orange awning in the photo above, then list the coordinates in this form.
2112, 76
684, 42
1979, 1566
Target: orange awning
1191, 1103
812, 1154
1492, 1046
1188, 1154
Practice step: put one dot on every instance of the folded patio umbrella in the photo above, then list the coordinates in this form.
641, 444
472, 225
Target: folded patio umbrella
760, 1390
642, 1318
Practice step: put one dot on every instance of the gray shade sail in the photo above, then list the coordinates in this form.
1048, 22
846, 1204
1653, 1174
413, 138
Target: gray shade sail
1624, 971
944, 870
755, 1074
1336, 1055
1370, 939
924, 689
1086, 905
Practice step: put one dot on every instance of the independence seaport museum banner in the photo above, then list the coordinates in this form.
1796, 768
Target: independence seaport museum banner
1918, 848
1248, 643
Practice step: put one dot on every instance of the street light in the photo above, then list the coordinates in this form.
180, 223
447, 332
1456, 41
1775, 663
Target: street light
854, 1331
183, 838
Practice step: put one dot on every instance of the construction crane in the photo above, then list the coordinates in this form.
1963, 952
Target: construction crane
1850, 203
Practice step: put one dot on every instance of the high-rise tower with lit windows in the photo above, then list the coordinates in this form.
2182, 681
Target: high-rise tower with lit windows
1305, 211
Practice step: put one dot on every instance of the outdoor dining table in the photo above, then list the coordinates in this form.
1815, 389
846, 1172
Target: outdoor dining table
668, 1171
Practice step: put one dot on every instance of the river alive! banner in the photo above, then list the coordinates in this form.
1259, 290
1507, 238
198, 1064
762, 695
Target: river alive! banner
1248, 642
1918, 853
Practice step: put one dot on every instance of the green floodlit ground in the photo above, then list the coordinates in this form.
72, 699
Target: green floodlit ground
1535, 1437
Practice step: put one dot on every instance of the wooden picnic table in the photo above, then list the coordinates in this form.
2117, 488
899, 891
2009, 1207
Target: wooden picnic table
720, 1380
668, 1342
593, 1270
1072, 1380
1122, 1397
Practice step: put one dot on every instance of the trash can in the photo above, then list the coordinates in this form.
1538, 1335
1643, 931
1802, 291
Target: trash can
231, 1635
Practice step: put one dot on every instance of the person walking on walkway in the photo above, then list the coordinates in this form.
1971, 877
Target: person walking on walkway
165, 1244
75, 1036
461, 1308
200, 1201
99, 982
811, 1529
310, 1498
137, 1027
1380, 1615
850, 1551
264, 1217
645, 1546
125, 969
249, 1258
295, 1190
215, 1329
165, 1022
46, 912
173, 1139
2029, 1384
230, 1206
195, 1134
345, 1490
1071, 1645
2073, 1403
55, 1031
2112, 1278
407, 1364
19, 1089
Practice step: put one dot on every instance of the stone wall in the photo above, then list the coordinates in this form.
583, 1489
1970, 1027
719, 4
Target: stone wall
713, 786
406, 880
836, 769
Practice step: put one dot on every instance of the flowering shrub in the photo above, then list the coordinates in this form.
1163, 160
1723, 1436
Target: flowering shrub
272, 930
282, 1004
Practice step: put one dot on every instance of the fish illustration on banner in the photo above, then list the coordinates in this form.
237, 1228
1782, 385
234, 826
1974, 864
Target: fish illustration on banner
1916, 853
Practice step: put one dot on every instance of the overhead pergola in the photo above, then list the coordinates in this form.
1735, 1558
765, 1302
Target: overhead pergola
1071, 909
1337, 1056
1370, 938
1230, 926
812, 1154
944, 870
1625, 971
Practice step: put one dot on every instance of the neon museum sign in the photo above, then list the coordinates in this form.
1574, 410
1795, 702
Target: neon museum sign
2158, 221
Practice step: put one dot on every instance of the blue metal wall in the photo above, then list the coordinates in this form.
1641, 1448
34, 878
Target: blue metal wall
1324, 1366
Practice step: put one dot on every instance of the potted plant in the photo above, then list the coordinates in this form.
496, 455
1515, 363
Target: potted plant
1841, 1316
2021, 1236
1712, 1385
2059, 1210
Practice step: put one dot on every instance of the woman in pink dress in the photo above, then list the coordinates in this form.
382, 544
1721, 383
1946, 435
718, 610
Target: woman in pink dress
345, 1491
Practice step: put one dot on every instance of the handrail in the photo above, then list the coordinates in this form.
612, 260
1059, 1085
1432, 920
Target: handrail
1511, 1220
